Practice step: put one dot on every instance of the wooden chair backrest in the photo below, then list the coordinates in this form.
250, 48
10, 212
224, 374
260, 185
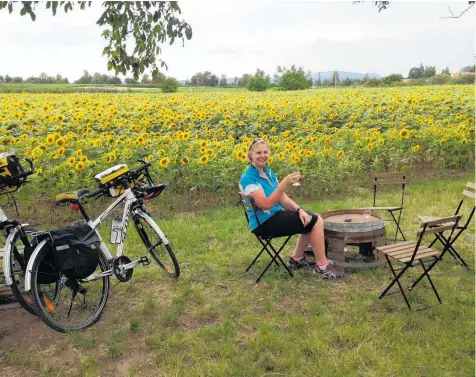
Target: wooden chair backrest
389, 179
470, 190
440, 225
380, 179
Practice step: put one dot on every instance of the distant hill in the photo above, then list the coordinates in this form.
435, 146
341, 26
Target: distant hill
343, 75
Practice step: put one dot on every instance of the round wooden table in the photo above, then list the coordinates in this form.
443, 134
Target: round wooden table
350, 227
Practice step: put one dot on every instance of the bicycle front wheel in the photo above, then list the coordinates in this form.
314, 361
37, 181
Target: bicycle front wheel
163, 255
77, 304
18, 261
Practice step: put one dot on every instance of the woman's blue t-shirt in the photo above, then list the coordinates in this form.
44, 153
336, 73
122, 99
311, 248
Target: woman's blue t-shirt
250, 182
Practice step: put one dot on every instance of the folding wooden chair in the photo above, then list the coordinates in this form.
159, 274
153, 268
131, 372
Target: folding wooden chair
467, 193
390, 179
409, 251
251, 209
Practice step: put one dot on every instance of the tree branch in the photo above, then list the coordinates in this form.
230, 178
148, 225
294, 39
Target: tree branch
463, 12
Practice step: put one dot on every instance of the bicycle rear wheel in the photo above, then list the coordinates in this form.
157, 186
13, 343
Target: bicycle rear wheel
77, 305
162, 254
18, 262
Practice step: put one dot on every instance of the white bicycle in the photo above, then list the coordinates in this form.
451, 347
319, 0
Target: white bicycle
18, 237
78, 258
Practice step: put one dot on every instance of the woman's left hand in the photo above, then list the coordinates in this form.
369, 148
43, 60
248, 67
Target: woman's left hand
305, 218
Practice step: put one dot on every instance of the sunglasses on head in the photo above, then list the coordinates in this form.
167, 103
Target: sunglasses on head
260, 139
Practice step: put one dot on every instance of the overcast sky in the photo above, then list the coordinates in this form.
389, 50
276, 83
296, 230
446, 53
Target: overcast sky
234, 37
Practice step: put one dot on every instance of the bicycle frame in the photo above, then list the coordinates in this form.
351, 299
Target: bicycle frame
3, 217
9, 233
129, 198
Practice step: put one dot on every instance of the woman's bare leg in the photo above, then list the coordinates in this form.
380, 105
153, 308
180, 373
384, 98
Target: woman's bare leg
301, 243
318, 243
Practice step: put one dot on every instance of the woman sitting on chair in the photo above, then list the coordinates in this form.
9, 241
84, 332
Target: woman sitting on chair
279, 215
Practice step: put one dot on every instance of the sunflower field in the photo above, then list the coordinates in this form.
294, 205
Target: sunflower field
200, 140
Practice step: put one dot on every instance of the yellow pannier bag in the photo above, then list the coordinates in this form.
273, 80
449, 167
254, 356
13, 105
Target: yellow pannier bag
10, 171
109, 179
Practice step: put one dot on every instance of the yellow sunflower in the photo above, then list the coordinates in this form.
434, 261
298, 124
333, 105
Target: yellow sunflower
164, 162
50, 139
404, 133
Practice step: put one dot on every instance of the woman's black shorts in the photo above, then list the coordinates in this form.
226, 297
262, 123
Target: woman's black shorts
285, 223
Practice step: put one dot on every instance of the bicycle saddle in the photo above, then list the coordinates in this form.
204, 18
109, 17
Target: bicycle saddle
71, 197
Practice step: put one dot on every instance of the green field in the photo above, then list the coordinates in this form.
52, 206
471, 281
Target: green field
215, 321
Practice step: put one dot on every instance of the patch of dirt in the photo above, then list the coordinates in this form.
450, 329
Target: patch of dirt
189, 322
21, 332
16, 371
123, 365
17, 327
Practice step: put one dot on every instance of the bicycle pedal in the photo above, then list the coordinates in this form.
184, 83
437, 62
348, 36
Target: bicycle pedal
145, 261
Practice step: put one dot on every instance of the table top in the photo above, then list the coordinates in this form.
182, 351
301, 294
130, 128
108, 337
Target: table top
352, 220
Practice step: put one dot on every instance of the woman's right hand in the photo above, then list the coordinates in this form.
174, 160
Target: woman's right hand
292, 178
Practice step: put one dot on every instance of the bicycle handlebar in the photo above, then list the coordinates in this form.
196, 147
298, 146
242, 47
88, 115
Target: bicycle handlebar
132, 174
27, 173
95, 193
136, 172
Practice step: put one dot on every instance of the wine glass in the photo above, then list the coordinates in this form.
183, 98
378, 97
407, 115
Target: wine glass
367, 212
297, 184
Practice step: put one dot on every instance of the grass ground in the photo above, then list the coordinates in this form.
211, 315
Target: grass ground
215, 321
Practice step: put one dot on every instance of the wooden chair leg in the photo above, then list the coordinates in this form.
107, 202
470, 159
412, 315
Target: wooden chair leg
426, 273
397, 223
440, 237
396, 280
430, 267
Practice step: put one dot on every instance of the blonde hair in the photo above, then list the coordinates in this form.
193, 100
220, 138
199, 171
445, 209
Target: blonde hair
259, 140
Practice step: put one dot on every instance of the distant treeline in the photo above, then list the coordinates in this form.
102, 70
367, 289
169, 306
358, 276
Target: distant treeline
42, 79
292, 78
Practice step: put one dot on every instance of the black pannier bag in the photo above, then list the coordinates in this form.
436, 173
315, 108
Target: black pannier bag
76, 250
47, 272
